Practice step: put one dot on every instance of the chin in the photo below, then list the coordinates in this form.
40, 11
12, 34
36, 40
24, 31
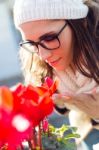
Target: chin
60, 68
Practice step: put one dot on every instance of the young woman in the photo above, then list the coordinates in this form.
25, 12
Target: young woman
61, 40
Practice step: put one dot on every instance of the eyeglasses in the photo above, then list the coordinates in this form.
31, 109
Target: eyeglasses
49, 42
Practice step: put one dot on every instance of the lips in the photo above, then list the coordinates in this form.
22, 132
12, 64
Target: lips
52, 63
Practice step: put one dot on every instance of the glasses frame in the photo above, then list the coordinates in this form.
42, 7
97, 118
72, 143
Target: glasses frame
21, 44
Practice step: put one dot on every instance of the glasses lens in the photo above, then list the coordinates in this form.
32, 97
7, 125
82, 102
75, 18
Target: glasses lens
50, 43
29, 47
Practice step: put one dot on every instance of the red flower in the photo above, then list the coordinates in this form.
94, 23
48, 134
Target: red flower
34, 102
22, 108
11, 131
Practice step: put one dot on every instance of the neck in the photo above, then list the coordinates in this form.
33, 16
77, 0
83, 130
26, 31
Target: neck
73, 68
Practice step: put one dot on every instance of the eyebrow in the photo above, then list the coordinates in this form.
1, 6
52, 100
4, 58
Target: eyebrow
43, 36
46, 34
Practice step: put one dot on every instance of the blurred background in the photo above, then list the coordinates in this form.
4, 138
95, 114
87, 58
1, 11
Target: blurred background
10, 69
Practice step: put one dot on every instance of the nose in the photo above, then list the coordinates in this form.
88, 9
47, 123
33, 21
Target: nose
44, 54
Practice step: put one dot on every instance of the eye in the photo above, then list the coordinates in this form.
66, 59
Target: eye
50, 38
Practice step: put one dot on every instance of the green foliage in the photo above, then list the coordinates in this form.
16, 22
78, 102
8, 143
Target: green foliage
60, 138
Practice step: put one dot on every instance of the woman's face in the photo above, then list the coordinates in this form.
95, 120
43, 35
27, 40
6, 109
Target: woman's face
59, 58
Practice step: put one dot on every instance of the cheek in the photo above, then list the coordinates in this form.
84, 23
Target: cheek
67, 46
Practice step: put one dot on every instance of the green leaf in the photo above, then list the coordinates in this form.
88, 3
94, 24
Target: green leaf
69, 136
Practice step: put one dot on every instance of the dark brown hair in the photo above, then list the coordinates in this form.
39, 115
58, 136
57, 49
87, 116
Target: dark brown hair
86, 51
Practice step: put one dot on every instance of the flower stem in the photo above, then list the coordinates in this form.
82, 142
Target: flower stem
32, 141
39, 143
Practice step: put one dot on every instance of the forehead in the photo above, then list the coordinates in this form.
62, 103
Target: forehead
39, 27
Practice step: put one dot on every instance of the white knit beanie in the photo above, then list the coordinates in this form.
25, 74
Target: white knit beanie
31, 10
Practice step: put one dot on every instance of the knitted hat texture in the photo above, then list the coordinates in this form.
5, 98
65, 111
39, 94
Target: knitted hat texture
32, 10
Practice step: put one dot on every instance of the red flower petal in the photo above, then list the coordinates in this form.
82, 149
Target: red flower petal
48, 81
6, 98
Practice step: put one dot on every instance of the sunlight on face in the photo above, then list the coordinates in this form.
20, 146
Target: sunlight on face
59, 58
